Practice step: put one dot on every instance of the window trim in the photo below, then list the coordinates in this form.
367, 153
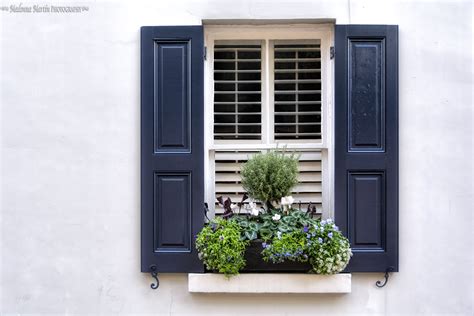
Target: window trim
267, 34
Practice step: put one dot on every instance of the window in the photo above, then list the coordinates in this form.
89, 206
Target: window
265, 102
268, 87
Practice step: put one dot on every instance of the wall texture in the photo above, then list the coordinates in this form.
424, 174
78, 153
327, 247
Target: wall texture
70, 161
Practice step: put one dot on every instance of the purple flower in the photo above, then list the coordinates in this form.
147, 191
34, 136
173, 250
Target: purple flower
330, 235
221, 237
320, 240
308, 236
264, 245
305, 229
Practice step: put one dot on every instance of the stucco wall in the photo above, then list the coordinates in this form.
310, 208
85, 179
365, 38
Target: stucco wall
70, 161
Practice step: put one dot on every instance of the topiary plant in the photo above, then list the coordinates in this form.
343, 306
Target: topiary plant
270, 176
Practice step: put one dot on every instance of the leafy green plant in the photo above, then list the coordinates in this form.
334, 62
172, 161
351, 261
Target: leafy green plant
293, 221
220, 246
321, 243
270, 176
250, 227
288, 246
266, 227
329, 251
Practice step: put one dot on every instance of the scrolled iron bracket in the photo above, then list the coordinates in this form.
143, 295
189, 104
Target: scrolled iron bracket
381, 284
154, 274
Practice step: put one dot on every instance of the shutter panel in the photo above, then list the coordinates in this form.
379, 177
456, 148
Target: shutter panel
366, 146
172, 147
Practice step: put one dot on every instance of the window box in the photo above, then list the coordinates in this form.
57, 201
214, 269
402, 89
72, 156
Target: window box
255, 262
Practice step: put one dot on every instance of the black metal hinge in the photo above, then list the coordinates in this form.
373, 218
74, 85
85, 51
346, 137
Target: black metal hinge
205, 53
332, 52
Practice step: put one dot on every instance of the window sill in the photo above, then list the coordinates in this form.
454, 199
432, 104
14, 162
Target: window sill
269, 283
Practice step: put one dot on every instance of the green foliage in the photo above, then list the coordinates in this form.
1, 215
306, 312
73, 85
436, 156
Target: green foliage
221, 247
288, 246
321, 243
265, 227
250, 226
293, 221
328, 249
269, 177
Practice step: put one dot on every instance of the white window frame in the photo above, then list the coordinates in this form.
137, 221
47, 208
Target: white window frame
267, 34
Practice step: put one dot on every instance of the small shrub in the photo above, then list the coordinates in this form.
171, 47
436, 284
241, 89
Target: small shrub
220, 246
269, 177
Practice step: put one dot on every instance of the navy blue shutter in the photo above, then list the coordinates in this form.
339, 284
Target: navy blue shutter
172, 147
366, 146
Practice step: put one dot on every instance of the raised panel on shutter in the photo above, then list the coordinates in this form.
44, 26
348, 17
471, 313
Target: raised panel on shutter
172, 103
366, 71
366, 144
172, 212
366, 210
172, 147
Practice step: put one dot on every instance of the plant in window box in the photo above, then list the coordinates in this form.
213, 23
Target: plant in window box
221, 247
271, 238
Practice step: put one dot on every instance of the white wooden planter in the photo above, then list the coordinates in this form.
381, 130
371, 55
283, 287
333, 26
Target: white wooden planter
269, 283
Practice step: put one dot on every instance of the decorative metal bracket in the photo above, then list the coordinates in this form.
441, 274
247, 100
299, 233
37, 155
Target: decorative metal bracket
386, 276
154, 274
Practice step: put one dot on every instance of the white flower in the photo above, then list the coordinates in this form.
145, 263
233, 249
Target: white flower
276, 217
287, 200
254, 211
252, 208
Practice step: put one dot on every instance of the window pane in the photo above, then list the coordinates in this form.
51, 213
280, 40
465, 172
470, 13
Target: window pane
237, 90
297, 88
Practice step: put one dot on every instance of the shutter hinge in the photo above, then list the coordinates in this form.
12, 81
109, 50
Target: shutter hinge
332, 52
205, 53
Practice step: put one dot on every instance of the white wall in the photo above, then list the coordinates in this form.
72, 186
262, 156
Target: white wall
70, 161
